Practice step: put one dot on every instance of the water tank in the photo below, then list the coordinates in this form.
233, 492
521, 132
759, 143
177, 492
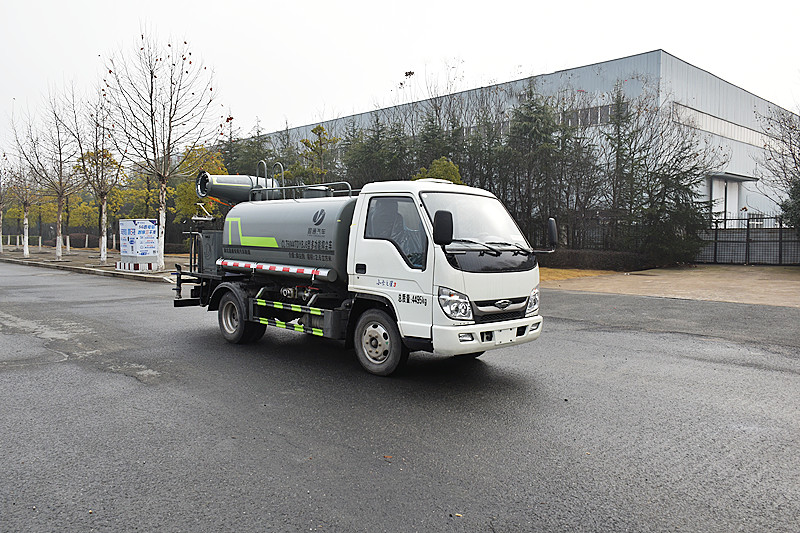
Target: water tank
312, 233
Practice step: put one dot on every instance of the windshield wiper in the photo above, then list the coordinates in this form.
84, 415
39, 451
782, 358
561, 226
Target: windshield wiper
494, 251
522, 249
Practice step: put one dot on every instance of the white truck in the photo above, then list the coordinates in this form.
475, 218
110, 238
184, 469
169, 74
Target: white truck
402, 266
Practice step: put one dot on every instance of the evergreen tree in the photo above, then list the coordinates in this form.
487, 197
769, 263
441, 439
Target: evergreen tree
316, 159
432, 142
532, 155
624, 169
376, 154
442, 169
240, 155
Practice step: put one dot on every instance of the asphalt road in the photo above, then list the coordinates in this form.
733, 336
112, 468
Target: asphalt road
121, 413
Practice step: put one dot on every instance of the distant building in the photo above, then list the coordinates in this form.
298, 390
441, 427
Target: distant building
728, 113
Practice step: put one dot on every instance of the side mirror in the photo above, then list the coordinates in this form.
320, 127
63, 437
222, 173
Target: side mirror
552, 237
552, 233
443, 228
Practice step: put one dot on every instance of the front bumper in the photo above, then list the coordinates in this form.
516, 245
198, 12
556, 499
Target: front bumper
457, 340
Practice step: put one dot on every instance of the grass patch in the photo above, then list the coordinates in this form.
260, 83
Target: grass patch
558, 274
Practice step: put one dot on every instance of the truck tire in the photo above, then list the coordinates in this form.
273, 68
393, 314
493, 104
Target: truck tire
378, 345
235, 329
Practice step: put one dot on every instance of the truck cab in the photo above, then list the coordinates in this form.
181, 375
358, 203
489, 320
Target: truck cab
476, 291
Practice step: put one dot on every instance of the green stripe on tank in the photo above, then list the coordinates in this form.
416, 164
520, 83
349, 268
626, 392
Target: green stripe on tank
262, 242
244, 240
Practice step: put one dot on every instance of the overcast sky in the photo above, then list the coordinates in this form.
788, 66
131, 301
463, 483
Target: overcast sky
302, 62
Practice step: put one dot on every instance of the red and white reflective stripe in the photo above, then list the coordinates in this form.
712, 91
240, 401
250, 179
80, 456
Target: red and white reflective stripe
134, 267
274, 268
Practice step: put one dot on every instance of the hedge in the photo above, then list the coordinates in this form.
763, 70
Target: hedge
594, 260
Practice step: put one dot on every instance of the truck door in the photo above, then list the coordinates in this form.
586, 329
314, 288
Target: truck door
394, 258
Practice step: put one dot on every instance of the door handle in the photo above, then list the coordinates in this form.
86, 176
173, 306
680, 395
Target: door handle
361, 268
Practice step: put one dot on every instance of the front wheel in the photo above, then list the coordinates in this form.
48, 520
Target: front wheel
232, 322
378, 345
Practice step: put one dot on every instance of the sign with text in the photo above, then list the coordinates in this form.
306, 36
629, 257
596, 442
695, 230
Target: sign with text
138, 237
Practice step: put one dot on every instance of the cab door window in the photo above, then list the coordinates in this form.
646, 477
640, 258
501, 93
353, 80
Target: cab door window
396, 219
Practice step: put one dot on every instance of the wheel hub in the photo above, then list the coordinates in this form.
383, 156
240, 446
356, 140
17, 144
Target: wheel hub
230, 318
375, 342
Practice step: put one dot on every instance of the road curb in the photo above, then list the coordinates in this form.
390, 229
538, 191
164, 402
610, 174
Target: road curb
161, 277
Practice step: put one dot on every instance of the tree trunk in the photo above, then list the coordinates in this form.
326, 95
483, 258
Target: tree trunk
59, 213
1, 231
162, 221
103, 231
26, 251
147, 198
66, 218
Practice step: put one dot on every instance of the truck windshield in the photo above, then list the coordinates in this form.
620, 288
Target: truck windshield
476, 218
485, 237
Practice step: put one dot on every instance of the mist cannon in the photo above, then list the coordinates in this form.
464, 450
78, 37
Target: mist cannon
236, 188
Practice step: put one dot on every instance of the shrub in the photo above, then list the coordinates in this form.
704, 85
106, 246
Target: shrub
176, 248
594, 260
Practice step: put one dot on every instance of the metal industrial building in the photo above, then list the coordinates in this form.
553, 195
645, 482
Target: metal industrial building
727, 113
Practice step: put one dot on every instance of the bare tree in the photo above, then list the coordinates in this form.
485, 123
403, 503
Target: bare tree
160, 97
579, 182
48, 151
90, 125
23, 190
656, 159
5, 192
781, 159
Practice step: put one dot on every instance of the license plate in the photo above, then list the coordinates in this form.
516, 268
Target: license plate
504, 336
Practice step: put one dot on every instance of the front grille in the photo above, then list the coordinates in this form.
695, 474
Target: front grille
499, 317
490, 303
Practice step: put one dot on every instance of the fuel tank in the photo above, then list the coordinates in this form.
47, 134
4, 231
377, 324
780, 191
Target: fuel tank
310, 233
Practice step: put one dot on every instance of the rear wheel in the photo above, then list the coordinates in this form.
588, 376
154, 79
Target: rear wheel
378, 345
232, 323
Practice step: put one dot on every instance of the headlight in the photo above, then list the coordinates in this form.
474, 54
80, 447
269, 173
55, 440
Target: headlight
454, 304
533, 303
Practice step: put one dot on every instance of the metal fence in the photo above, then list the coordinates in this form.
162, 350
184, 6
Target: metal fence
755, 240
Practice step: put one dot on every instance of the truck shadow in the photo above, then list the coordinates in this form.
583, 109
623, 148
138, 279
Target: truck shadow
424, 372
321, 376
